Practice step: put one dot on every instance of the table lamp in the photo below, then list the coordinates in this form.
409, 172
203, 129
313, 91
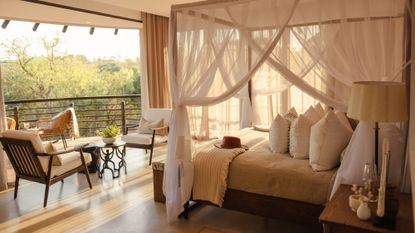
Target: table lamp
378, 102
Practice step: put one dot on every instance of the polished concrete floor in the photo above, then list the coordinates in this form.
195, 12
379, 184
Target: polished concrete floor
124, 204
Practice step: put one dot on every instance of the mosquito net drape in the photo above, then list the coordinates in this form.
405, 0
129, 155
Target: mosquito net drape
222, 49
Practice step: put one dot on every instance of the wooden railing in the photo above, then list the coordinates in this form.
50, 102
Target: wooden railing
93, 113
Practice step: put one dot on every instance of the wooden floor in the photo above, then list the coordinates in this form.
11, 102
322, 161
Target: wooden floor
117, 205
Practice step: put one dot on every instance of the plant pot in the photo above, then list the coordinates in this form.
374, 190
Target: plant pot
109, 140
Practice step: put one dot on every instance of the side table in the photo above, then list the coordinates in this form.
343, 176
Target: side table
108, 151
95, 155
338, 217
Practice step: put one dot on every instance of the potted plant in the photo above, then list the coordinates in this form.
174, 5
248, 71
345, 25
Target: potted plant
109, 134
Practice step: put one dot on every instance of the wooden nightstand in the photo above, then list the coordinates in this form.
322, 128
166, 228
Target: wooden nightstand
338, 217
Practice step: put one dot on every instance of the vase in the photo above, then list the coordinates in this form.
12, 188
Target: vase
109, 140
354, 202
363, 212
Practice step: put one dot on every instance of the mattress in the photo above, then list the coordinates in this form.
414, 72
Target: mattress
261, 171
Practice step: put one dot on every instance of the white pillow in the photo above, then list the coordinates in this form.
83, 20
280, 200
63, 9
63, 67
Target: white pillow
312, 115
319, 109
328, 138
300, 137
291, 115
279, 134
145, 126
343, 119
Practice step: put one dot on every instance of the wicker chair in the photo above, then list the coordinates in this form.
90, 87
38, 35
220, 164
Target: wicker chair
30, 160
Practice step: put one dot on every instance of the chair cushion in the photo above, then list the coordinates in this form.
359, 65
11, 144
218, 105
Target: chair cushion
69, 161
32, 136
136, 138
156, 114
145, 126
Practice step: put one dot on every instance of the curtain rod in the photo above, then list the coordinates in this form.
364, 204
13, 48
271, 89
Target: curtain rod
333, 21
82, 10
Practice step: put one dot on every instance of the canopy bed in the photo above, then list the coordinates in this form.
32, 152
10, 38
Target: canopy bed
254, 50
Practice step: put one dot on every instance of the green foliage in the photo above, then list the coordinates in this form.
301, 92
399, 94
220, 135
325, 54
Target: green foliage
110, 131
58, 75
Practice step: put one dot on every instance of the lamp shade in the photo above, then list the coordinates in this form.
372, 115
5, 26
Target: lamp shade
378, 102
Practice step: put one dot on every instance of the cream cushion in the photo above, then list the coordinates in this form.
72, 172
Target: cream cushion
145, 126
279, 134
31, 136
343, 119
144, 139
300, 137
291, 115
262, 128
319, 109
328, 138
69, 161
312, 115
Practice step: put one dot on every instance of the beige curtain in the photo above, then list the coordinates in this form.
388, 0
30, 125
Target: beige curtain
3, 167
155, 37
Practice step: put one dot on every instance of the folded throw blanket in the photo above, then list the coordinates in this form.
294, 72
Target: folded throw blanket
211, 173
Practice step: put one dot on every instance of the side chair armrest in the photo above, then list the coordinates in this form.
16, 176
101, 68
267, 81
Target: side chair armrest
160, 128
130, 127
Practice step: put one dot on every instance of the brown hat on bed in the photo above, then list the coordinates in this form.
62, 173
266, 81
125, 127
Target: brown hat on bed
230, 142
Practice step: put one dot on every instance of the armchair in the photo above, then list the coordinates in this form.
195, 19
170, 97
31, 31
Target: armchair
153, 129
57, 125
31, 161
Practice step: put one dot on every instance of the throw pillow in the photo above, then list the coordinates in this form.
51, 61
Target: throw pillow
291, 115
50, 149
279, 134
312, 115
343, 119
261, 128
328, 138
300, 137
319, 109
145, 126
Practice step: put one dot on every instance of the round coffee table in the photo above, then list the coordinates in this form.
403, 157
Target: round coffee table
108, 151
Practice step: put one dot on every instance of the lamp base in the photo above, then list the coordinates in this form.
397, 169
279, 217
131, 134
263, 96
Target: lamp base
391, 210
387, 222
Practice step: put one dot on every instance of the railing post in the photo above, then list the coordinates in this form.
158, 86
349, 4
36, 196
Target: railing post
123, 117
16, 116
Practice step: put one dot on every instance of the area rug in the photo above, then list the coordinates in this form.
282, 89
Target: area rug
209, 230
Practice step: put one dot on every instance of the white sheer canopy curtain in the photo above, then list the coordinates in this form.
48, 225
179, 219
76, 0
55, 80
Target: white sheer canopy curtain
318, 46
328, 46
207, 68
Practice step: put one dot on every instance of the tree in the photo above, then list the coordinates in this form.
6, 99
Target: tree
56, 75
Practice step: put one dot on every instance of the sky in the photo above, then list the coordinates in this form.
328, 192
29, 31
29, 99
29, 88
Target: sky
76, 41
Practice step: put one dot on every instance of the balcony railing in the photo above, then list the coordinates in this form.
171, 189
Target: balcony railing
93, 113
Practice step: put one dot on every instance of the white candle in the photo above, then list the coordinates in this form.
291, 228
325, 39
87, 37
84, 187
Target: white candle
382, 190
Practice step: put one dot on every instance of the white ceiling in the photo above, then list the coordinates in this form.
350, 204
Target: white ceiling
21, 10
158, 7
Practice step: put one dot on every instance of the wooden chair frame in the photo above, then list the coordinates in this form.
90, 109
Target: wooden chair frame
26, 164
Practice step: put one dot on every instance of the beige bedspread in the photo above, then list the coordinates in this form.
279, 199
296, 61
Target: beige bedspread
211, 173
261, 171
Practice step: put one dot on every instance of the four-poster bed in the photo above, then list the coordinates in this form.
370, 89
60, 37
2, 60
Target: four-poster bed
256, 49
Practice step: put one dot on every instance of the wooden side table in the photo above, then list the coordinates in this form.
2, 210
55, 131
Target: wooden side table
338, 217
